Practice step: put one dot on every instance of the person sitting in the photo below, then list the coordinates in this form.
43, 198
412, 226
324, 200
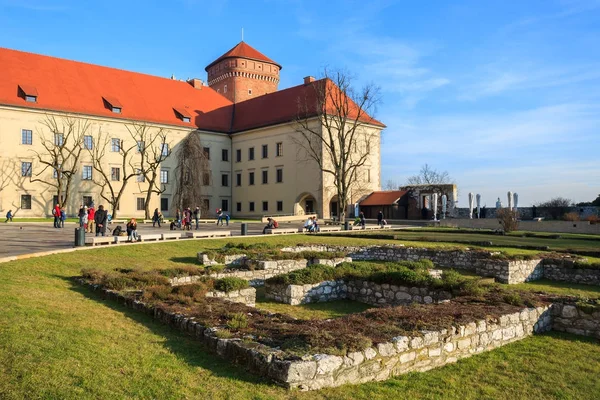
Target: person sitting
315, 225
271, 224
9, 216
132, 235
308, 224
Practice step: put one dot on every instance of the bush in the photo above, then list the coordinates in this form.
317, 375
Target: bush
514, 299
230, 284
572, 216
186, 270
215, 269
593, 219
93, 275
117, 282
508, 219
237, 321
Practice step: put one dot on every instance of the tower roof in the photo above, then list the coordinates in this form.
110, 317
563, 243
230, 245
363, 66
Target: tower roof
243, 50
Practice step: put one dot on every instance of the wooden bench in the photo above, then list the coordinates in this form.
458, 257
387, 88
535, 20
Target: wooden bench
208, 234
173, 235
150, 236
95, 240
281, 230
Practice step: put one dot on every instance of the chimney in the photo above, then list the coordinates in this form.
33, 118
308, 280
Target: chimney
308, 79
196, 83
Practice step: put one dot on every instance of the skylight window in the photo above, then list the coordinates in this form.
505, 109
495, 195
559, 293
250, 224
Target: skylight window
29, 93
183, 114
31, 99
113, 104
116, 110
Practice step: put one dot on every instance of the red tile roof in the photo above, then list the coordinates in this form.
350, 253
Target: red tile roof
243, 50
383, 198
76, 87
285, 106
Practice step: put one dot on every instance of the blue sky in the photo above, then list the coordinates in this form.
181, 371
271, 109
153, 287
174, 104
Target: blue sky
504, 95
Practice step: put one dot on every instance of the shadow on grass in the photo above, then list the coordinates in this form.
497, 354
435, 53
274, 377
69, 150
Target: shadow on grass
180, 343
185, 260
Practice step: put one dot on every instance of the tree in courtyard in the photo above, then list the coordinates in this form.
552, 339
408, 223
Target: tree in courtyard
193, 165
334, 130
557, 206
62, 141
390, 185
112, 184
429, 176
508, 219
153, 147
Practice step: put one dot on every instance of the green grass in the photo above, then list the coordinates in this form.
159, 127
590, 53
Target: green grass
560, 288
61, 341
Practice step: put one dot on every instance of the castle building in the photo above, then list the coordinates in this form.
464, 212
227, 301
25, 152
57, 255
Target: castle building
248, 129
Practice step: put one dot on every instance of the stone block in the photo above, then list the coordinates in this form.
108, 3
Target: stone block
449, 347
370, 353
403, 296
464, 344
416, 343
386, 349
569, 311
301, 371
408, 357
401, 342
327, 363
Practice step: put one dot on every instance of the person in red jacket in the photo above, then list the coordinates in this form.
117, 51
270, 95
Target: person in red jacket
56, 214
91, 222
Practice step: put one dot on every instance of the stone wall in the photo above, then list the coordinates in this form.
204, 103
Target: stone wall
533, 226
245, 296
571, 319
528, 213
235, 259
310, 293
565, 271
392, 295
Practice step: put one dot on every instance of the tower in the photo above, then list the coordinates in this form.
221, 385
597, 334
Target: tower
243, 73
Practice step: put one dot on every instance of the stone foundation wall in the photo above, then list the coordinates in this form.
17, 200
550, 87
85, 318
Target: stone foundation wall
568, 318
245, 296
533, 226
564, 271
236, 259
310, 293
392, 295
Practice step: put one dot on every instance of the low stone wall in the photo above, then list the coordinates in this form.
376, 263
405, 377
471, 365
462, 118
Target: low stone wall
571, 319
533, 226
310, 293
392, 295
245, 296
565, 271
235, 259
331, 262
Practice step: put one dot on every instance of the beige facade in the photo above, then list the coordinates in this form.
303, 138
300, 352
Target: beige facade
299, 186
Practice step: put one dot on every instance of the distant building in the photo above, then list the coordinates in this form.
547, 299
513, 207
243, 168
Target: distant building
245, 123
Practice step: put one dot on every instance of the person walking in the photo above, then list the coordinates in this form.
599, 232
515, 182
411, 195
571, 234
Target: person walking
363, 221
156, 218
63, 217
91, 216
56, 215
101, 218
178, 218
197, 217
187, 219
380, 218
132, 235
9, 216
220, 217
227, 218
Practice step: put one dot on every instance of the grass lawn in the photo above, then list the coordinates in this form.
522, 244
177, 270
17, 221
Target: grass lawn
59, 340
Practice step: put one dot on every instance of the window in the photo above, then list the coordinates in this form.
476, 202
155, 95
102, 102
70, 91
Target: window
59, 139
279, 174
251, 178
31, 99
368, 175
265, 206
164, 151
115, 174
186, 177
224, 155
141, 203
279, 149
238, 207
139, 176
116, 110
280, 206
206, 204
87, 173
368, 148
224, 204
55, 172
164, 204
224, 180
251, 153
87, 201
249, 92
164, 176
115, 145
206, 179
88, 142
26, 136
251, 206
26, 168
26, 201
238, 155
265, 177
141, 145
265, 151
238, 179
206, 152
185, 119
225, 89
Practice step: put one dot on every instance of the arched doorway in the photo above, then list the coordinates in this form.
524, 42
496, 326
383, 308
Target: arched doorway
334, 212
305, 204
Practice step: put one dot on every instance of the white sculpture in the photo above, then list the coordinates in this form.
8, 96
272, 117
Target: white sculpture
435, 202
498, 204
510, 199
444, 203
478, 197
471, 205
516, 200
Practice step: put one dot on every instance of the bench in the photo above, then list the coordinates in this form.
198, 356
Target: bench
173, 235
121, 239
275, 231
208, 234
330, 228
117, 221
152, 236
95, 240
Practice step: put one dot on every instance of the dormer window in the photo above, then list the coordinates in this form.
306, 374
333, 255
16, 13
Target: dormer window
29, 93
112, 104
183, 114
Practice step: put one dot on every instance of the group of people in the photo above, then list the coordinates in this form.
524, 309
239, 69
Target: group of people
58, 213
92, 220
222, 216
312, 224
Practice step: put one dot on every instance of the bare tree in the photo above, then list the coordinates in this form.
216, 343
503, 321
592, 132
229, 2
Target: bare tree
192, 165
429, 176
62, 140
153, 149
112, 189
391, 185
333, 126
